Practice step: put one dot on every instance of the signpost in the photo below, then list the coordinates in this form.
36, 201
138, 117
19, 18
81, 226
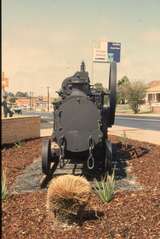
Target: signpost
114, 49
99, 55
106, 53
111, 51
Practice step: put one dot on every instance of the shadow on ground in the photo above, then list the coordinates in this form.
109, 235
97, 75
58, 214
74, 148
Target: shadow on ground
121, 154
32, 178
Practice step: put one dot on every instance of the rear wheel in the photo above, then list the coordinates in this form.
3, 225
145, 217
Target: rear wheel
46, 156
108, 157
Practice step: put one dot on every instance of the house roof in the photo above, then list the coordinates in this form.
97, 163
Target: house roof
154, 86
154, 83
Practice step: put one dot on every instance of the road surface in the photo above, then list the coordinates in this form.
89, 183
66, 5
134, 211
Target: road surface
142, 122
148, 123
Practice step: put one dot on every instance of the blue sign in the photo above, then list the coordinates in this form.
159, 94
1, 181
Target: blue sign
114, 50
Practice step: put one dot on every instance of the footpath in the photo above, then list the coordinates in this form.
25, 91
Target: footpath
149, 136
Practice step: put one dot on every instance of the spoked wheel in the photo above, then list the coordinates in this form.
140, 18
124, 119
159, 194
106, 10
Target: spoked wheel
46, 156
62, 153
108, 157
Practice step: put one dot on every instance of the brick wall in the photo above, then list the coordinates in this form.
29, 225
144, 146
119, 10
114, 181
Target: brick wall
156, 109
20, 128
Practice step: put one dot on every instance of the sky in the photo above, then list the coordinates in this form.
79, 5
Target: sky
44, 41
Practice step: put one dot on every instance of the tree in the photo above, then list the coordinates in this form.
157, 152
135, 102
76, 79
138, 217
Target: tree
21, 94
135, 93
99, 86
124, 81
11, 97
10, 94
122, 88
56, 100
12, 100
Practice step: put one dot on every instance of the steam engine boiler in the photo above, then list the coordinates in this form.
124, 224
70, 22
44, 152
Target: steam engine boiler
81, 120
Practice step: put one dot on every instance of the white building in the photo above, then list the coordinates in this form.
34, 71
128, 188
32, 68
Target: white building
153, 96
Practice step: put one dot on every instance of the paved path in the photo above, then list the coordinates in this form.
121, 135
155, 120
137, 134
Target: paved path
150, 136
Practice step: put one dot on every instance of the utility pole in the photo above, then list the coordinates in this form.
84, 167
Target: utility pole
48, 96
30, 100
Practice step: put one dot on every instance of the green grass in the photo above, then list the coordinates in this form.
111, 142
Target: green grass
18, 144
124, 139
4, 191
105, 188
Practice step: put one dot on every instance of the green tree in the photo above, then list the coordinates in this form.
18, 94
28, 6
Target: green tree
99, 86
21, 94
122, 88
135, 93
10, 94
124, 81
56, 100
11, 97
12, 100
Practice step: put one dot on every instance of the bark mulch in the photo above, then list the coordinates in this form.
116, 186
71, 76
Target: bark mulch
16, 157
131, 214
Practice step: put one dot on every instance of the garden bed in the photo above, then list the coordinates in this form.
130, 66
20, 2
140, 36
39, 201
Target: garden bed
131, 213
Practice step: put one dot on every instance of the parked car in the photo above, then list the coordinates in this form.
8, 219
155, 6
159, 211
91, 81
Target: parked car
26, 107
17, 110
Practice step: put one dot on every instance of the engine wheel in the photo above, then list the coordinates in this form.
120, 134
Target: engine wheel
46, 156
108, 157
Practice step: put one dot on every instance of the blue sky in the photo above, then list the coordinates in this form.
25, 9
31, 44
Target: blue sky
45, 40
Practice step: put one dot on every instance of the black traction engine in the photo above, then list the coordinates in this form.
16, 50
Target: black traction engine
81, 121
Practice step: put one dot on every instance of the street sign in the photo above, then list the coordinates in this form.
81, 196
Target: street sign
114, 49
99, 55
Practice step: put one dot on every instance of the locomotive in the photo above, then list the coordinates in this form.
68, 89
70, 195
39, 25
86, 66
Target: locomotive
80, 124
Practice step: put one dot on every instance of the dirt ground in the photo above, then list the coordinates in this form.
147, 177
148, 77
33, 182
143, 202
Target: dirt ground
131, 213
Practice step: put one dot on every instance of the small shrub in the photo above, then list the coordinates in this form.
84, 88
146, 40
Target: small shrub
124, 139
18, 144
135, 93
67, 196
4, 191
105, 187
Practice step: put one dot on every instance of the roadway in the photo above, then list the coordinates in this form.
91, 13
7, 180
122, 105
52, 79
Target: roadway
141, 122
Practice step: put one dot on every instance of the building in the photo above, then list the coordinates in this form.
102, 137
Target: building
153, 96
39, 103
24, 102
